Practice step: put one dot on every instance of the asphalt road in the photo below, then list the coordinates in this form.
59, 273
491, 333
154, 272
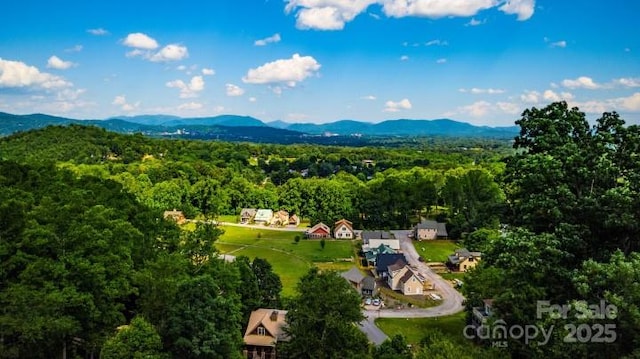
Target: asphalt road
451, 298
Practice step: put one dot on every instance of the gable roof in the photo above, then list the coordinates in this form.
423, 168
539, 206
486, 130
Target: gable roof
397, 265
353, 275
440, 228
320, 227
409, 274
344, 222
263, 215
265, 317
368, 283
384, 260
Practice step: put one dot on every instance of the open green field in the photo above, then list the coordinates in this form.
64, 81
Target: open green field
290, 260
414, 329
435, 250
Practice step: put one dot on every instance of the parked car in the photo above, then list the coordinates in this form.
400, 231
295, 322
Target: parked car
367, 301
376, 302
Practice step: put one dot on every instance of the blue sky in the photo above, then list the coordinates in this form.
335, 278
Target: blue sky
479, 61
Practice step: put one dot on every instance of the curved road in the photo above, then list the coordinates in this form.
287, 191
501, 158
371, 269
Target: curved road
451, 298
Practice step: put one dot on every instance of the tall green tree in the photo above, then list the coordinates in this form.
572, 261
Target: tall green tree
322, 319
138, 340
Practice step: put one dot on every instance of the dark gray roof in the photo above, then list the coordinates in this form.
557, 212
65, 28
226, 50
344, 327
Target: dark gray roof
369, 283
367, 235
384, 260
399, 264
353, 275
441, 228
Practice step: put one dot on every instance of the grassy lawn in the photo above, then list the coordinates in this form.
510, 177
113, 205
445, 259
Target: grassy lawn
435, 250
414, 329
290, 260
392, 297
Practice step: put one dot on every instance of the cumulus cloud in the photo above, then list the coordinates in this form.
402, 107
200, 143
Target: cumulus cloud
530, 97
98, 32
631, 103
287, 71
581, 82
334, 14
121, 101
404, 58
523, 8
478, 91
476, 109
552, 96
627, 82
57, 63
139, 40
509, 107
208, 72
172, 52
190, 106
368, 97
16, 74
188, 90
268, 40
326, 14
391, 106
234, 90
474, 22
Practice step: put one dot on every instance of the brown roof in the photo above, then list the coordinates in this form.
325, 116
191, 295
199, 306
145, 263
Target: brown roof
348, 224
410, 273
273, 321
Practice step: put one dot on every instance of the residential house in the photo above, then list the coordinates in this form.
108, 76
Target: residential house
175, 215
364, 284
481, 315
247, 214
280, 218
264, 330
263, 216
343, 229
428, 229
294, 220
372, 253
383, 261
405, 279
462, 260
320, 230
373, 239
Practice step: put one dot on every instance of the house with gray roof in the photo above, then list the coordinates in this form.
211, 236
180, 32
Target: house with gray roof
429, 229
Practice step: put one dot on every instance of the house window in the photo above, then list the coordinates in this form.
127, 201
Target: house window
261, 331
470, 259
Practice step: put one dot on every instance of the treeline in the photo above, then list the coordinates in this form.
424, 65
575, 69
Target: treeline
373, 187
80, 257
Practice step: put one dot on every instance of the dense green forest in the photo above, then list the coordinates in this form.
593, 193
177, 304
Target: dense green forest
84, 248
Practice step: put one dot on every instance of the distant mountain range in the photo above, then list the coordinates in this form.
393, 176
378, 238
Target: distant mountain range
247, 128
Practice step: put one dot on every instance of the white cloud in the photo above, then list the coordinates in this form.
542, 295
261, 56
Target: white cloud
233, 90
219, 109
631, 103
98, 32
627, 82
252, 99
16, 74
190, 106
188, 90
479, 91
326, 14
523, 8
435, 8
474, 22
57, 63
139, 40
334, 14
441, 61
509, 107
404, 58
581, 82
288, 71
368, 97
530, 97
121, 101
268, 40
436, 42
76, 48
172, 52
391, 106
552, 96
208, 72
561, 44
476, 109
